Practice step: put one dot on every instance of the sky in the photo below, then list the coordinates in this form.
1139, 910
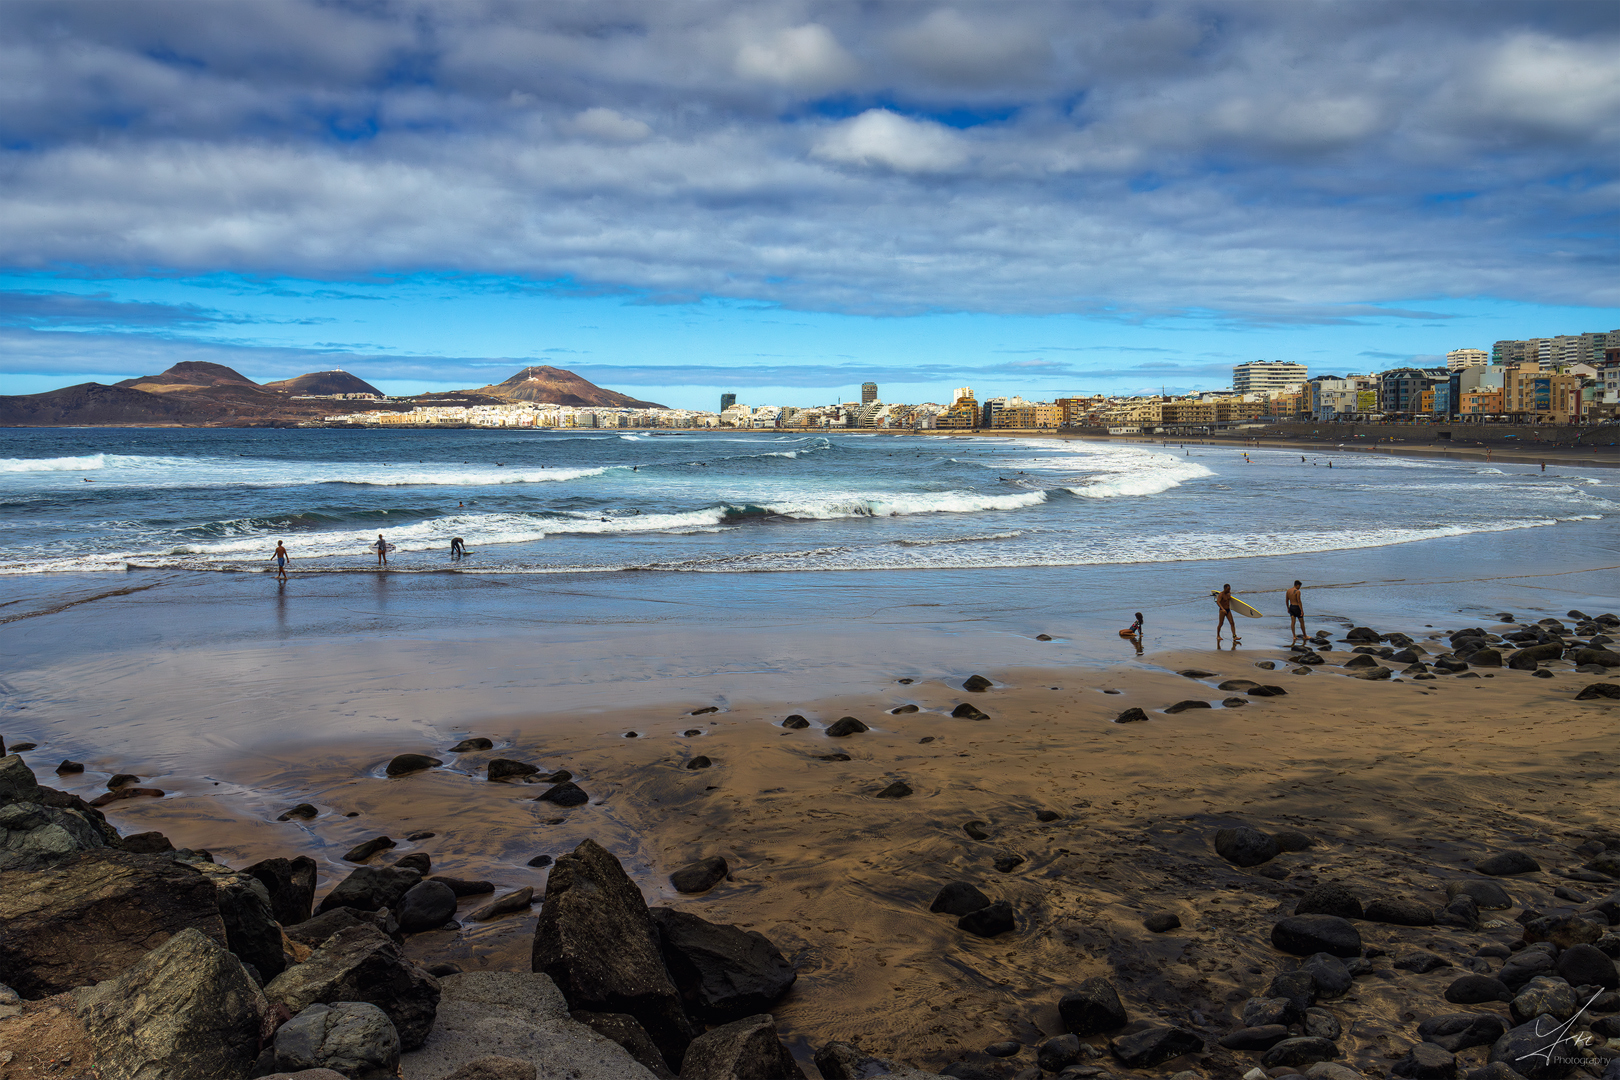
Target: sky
785, 199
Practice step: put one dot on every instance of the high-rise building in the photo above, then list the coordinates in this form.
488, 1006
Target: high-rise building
1458, 359
1266, 376
727, 401
868, 393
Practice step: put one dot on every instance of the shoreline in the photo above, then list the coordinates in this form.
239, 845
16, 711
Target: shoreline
1400, 785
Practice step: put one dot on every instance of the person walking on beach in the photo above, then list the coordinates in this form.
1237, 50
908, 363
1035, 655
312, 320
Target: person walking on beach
1223, 600
1296, 610
281, 561
381, 548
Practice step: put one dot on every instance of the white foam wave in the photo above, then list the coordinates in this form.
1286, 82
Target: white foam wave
903, 504
457, 478
87, 463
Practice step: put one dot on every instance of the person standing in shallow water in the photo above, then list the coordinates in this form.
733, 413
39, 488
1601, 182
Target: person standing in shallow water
1296, 611
381, 547
281, 561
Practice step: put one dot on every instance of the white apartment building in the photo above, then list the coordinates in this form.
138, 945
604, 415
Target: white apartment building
1461, 359
1267, 376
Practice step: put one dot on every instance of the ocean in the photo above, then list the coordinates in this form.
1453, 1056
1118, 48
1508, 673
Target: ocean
585, 502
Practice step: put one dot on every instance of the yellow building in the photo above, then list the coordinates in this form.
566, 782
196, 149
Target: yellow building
1481, 402
963, 415
1036, 415
1544, 395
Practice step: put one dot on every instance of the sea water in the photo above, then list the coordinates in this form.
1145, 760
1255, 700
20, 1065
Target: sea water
589, 502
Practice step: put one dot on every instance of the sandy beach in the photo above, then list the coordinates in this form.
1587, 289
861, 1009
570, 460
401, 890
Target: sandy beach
1399, 784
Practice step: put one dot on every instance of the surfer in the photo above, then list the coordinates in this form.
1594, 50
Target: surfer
1296, 610
458, 547
281, 561
1223, 600
381, 548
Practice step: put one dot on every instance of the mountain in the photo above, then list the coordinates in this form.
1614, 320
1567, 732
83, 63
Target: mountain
325, 382
189, 375
94, 405
545, 385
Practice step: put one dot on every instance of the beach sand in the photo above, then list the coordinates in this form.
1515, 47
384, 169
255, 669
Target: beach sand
1400, 784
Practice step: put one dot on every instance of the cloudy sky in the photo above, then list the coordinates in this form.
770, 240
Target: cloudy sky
785, 199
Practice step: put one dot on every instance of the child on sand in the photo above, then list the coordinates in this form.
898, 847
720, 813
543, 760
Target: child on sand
1133, 630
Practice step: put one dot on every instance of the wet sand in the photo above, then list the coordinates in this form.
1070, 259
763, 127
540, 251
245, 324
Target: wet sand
1401, 784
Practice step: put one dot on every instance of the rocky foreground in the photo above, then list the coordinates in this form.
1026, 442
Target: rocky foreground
1260, 945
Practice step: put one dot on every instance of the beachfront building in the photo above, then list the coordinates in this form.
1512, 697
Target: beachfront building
1458, 359
1267, 376
1080, 411
1026, 415
963, 415
1480, 403
1531, 394
869, 393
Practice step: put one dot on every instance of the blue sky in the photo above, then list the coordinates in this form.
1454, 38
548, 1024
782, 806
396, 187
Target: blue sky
785, 199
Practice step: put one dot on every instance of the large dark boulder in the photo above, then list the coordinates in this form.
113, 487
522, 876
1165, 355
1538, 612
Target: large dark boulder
724, 973
409, 763
1244, 846
354, 1039
1329, 975
291, 885
360, 964
1526, 964
1538, 1050
40, 826
1397, 911
251, 931
1587, 965
185, 1009
1092, 1008
315, 931
1477, 990
427, 905
746, 1049
1154, 1046
370, 888
1426, 1061
94, 916
1460, 1031
623, 1029
1304, 935
959, 898
1485, 893
1329, 899
1302, 1050
596, 940
1507, 863
1529, 659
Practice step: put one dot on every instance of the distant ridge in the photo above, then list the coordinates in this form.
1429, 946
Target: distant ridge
546, 385
325, 382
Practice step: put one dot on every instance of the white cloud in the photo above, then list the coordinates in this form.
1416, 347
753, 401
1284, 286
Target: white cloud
610, 126
880, 137
803, 57
1566, 87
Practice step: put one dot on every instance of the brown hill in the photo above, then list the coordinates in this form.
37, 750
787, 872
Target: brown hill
325, 382
189, 374
93, 404
545, 385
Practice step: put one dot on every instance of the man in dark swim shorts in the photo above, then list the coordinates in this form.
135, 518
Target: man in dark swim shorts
458, 547
1296, 610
